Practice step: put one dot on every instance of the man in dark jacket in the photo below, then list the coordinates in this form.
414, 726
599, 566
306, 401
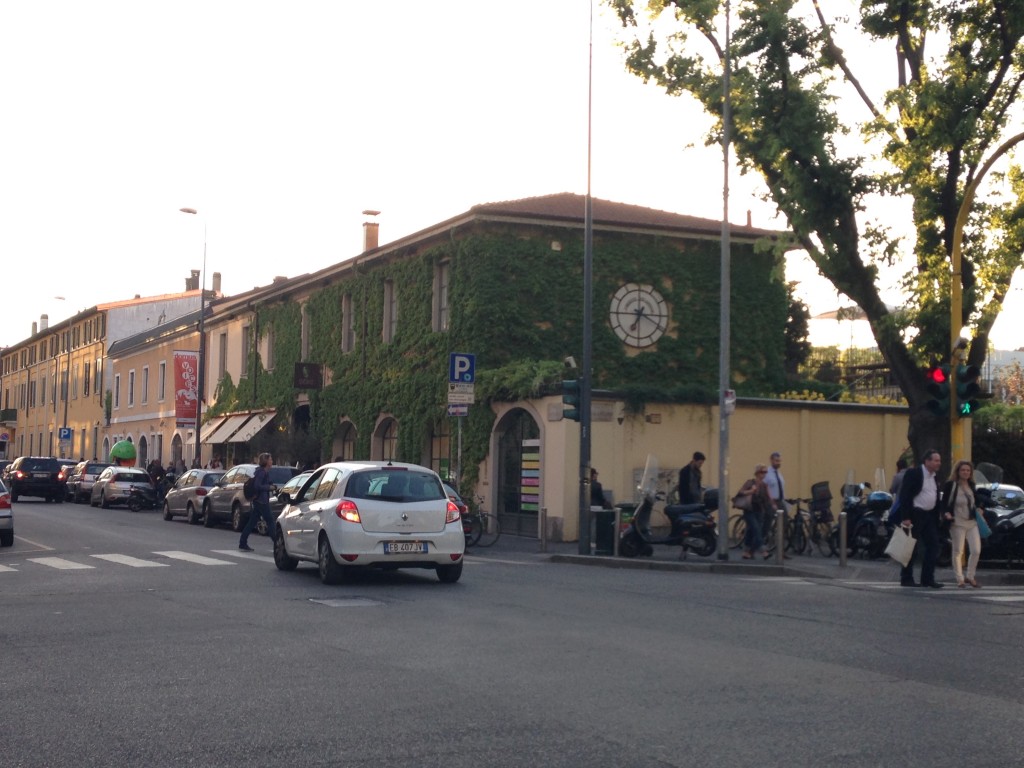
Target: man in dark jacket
919, 510
260, 502
690, 489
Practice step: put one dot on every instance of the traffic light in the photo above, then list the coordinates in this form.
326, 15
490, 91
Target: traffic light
967, 389
571, 399
938, 388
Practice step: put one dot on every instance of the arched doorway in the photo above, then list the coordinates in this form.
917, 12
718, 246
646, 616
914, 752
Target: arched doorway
518, 434
384, 446
143, 451
344, 445
176, 450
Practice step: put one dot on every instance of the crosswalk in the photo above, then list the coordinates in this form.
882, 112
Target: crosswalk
163, 559
989, 594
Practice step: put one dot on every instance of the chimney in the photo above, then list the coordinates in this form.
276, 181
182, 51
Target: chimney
44, 322
192, 283
35, 328
371, 231
216, 283
750, 220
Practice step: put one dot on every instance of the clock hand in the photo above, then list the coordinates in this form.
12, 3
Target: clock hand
639, 312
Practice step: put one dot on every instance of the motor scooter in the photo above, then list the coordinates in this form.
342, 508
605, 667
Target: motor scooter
692, 526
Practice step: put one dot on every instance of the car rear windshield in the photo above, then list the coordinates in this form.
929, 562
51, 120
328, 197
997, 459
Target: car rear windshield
395, 485
210, 479
95, 469
131, 477
281, 475
39, 465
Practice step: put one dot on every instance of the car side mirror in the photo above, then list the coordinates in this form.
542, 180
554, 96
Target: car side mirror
284, 497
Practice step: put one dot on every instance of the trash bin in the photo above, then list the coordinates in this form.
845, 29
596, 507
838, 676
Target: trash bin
604, 530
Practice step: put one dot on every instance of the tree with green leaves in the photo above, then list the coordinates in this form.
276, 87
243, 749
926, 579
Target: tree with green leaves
926, 136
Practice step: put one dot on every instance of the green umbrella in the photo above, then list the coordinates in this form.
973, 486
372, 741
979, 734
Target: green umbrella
123, 453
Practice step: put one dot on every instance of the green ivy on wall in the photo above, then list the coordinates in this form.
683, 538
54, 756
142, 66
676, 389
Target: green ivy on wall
516, 303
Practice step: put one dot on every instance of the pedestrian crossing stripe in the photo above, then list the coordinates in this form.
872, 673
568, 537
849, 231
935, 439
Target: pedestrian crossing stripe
7, 569
190, 558
128, 560
60, 563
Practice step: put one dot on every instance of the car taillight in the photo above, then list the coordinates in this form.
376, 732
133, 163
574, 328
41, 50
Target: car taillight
201, 491
453, 512
20, 474
347, 510
5, 501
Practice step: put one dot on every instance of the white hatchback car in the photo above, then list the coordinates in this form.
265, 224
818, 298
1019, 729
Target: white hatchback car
374, 514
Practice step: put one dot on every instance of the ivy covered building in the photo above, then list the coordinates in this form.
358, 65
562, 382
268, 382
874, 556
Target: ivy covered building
504, 282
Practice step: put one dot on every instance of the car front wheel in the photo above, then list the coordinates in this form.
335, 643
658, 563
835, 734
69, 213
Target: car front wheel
330, 571
282, 559
191, 515
103, 501
208, 519
236, 518
167, 511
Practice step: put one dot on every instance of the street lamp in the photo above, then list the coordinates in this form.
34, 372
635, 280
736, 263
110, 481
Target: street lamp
200, 378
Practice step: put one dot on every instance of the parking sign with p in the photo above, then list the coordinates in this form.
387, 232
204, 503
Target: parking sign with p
461, 368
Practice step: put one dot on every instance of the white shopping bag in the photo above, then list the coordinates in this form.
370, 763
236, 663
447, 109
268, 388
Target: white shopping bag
901, 546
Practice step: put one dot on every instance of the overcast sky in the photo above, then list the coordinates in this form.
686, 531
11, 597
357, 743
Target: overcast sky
281, 122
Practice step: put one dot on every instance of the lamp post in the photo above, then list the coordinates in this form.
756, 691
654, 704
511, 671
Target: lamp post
201, 374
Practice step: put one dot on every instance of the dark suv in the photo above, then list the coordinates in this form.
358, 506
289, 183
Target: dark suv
225, 501
35, 476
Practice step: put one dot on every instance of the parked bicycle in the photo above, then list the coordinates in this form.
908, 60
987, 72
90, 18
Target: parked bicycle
481, 528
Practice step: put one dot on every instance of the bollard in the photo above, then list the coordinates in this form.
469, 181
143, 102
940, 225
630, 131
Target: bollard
543, 529
780, 535
617, 532
842, 539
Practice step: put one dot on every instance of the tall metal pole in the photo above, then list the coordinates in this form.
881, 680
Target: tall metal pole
724, 308
959, 428
588, 278
201, 373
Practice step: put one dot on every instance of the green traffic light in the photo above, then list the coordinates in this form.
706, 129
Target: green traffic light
571, 398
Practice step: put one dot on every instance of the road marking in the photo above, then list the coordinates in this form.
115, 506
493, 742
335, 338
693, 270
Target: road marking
134, 562
34, 543
1000, 598
189, 557
240, 553
59, 563
6, 569
476, 560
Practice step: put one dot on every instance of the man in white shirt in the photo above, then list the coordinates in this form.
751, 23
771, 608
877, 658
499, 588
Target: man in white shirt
776, 484
918, 508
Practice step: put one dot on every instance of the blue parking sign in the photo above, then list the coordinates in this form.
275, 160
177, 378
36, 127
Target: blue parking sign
461, 368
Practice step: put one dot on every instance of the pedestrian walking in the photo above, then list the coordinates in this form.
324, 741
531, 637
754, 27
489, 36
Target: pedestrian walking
760, 503
918, 510
260, 505
958, 505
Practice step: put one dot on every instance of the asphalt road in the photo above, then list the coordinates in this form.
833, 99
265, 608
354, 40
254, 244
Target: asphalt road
152, 656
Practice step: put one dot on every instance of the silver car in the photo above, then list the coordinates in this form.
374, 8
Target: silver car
114, 486
186, 496
371, 514
81, 478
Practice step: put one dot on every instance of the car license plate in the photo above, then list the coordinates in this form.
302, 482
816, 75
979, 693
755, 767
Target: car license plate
405, 547
41, 475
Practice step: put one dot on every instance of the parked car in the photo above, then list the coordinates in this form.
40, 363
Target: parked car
79, 484
4, 464
226, 503
35, 476
454, 496
6, 518
372, 514
66, 465
282, 498
115, 484
186, 496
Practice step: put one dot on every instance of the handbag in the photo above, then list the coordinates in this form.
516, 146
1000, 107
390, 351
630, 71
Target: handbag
901, 546
983, 528
743, 501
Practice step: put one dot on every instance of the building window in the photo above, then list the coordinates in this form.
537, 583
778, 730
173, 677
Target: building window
442, 273
42, 389
86, 379
348, 336
304, 334
390, 311
97, 382
161, 381
246, 346
268, 356
117, 390
222, 353
440, 449
145, 385
32, 393
74, 384
131, 388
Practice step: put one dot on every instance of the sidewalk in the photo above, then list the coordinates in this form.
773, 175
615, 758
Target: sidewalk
667, 559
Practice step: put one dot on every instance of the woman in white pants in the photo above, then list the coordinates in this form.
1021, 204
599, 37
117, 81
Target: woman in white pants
958, 506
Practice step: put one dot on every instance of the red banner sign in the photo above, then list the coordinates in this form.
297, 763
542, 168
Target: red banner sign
186, 388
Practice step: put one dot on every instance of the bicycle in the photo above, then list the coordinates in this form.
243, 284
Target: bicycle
480, 528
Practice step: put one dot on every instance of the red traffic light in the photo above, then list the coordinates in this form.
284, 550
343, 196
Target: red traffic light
938, 373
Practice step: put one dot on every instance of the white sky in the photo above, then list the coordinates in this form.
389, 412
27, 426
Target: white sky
281, 122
